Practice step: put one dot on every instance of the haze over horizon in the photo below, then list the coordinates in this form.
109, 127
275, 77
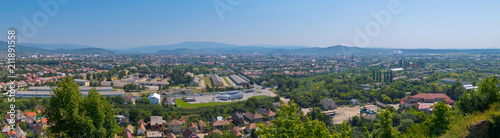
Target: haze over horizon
118, 25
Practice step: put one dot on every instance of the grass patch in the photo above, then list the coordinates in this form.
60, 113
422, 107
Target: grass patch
460, 125
197, 90
258, 91
185, 104
227, 81
208, 82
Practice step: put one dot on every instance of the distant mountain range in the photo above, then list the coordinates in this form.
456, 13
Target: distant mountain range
56, 46
223, 48
21, 49
211, 46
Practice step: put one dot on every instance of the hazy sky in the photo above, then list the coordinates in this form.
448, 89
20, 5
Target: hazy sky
319, 23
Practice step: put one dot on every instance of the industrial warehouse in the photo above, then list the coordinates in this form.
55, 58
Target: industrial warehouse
238, 80
46, 92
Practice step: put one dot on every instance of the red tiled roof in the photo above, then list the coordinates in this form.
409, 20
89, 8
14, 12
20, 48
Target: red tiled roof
174, 122
11, 132
28, 113
216, 131
236, 131
44, 120
220, 123
201, 123
449, 101
251, 126
270, 113
430, 96
191, 125
170, 135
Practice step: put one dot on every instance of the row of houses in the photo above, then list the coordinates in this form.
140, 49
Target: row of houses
160, 128
35, 123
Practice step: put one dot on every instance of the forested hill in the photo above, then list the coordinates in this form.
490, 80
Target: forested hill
20, 49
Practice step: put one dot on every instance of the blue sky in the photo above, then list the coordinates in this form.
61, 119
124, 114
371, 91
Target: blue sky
319, 23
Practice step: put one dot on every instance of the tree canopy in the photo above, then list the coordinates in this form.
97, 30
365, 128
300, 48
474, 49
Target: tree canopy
70, 115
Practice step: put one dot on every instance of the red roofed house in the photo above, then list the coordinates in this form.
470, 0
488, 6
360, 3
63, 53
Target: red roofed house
174, 126
432, 98
30, 114
253, 117
193, 127
12, 134
188, 133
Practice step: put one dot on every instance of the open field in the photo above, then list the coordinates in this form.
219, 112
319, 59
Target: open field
185, 104
227, 81
208, 82
344, 113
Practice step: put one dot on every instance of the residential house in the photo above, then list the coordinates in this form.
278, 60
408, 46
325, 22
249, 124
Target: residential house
250, 126
39, 109
277, 105
157, 123
182, 120
129, 99
327, 104
122, 120
215, 131
267, 123
174, 126
188, 133
170, 135
141, 130
201, 125
128, 130
20, 133
82, 82
5, 129
447, 80
114, 77
237, 118
43, 121
269, 114
219, 124
154, 134
228, 72
154, 98
30, 121
30, 114
12, 134
236, 131
405, 103
193, 127
253, 117
38, 129
169, 101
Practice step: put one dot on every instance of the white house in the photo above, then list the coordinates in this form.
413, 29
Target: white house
154, 98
